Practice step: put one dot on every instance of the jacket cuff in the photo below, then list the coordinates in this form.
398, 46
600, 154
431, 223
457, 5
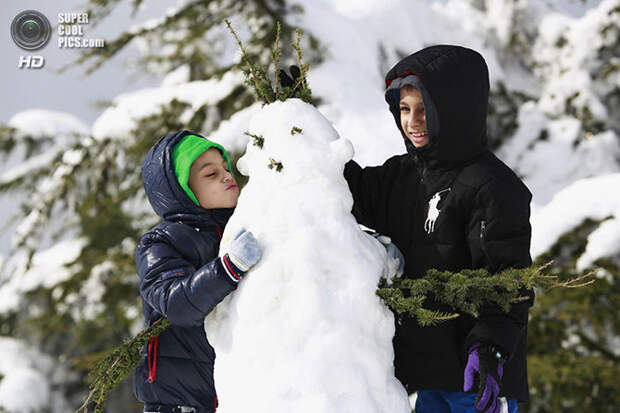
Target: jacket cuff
497, 331
233, 272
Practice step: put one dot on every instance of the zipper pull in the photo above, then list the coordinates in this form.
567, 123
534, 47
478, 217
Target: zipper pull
483, 228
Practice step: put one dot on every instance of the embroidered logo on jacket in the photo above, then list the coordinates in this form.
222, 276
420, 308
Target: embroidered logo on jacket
433, 211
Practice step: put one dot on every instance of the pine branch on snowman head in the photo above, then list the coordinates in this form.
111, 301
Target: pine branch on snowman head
285, 86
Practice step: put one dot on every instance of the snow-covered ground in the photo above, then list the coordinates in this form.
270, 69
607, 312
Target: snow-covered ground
572, 171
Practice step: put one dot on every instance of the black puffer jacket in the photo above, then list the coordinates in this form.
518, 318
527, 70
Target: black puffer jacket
449, 205
182, 279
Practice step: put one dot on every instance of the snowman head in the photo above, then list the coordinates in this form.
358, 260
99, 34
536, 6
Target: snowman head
293, 142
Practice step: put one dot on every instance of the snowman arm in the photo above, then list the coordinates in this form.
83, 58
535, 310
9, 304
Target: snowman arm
175, 289
499, 238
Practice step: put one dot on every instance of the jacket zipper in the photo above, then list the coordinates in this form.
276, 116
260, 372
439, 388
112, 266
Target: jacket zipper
483, 231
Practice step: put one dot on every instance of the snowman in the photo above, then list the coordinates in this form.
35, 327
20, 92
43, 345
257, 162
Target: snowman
304, 331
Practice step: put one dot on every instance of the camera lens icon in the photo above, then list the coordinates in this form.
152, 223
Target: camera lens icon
31, 30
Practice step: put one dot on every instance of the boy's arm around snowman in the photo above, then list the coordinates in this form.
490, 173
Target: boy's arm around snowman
174, 288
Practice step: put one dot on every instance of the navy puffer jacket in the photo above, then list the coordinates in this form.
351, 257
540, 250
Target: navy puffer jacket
181, 279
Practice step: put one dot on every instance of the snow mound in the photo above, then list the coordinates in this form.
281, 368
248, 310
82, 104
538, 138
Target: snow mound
305, 331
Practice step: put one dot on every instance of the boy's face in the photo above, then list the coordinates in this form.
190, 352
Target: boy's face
412, 117
211, 181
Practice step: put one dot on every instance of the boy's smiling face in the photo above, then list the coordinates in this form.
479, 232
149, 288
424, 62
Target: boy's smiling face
412, 116
211, 181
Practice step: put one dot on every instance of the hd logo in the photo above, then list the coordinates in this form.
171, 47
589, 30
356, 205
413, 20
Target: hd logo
30, 31
31, 62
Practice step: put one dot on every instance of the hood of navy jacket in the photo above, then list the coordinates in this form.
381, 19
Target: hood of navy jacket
165, 193
454, 84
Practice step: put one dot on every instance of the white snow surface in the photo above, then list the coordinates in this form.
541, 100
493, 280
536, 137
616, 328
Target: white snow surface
595, 198
311, 298
29, 379
48, 268
37, 122
120, 119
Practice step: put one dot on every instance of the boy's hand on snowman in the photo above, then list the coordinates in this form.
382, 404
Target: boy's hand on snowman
244, 251
395, 266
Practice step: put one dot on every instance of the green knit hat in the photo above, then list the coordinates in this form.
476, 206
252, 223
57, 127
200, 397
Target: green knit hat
185, 152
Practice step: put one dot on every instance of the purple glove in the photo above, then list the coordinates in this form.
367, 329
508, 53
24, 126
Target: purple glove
488, 361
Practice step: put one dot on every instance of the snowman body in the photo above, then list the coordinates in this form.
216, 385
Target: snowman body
304, 331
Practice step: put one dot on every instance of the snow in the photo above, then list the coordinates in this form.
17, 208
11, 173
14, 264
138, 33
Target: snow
44, 122
24, 381
29, 379
551, 154
595, 198
119, 120
48, 269
231, 132
317, 276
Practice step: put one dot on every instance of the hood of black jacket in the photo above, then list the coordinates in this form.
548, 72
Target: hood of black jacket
166, 195
457, 81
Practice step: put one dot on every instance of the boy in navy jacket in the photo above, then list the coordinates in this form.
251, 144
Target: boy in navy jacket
188, 182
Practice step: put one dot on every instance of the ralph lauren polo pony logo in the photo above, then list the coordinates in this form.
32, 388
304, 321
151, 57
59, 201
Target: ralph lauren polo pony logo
433, 211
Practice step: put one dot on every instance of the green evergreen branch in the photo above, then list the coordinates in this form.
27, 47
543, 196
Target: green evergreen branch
255, 74
258, 140
468, 291
275, 164
116, 365
277, 54
257, 77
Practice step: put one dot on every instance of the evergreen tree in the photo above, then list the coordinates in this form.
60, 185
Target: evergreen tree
573, 361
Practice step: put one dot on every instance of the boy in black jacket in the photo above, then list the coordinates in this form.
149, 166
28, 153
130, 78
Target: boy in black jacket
189, 185
450, 204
